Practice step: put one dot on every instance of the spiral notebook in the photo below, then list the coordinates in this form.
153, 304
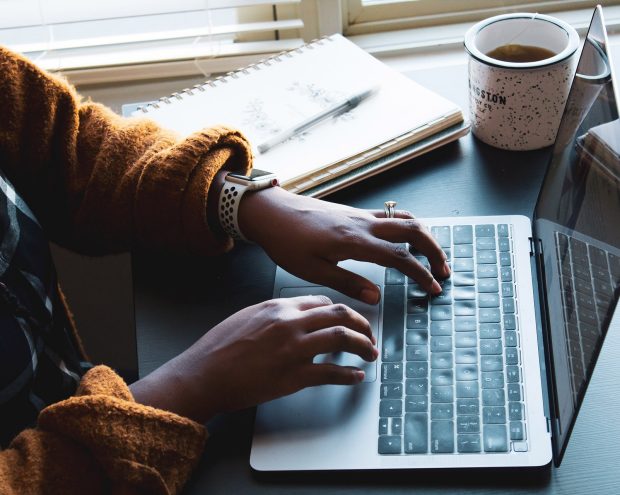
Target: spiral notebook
400, 120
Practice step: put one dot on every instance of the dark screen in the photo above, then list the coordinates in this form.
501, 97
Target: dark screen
577, 223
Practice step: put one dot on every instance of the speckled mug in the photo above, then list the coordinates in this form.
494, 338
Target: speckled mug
518, 105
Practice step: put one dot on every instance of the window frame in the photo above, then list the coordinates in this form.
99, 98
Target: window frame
361, 18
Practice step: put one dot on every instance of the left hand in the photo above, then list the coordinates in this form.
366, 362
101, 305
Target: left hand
308, 237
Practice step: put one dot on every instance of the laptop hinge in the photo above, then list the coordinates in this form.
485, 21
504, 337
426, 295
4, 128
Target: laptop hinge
549, 429
532, 251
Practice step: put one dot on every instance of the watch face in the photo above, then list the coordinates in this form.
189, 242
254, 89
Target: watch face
255, 175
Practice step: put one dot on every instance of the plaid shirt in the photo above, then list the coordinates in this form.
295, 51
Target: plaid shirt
39, 361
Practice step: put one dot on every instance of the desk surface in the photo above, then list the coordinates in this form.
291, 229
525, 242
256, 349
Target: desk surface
178, 300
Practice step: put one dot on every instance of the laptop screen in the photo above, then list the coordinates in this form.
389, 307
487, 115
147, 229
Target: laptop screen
576, 222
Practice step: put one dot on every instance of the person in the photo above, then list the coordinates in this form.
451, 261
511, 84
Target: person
75, 173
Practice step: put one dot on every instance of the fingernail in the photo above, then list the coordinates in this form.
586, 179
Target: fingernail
359, 376
375, 352
369, 296
436, 288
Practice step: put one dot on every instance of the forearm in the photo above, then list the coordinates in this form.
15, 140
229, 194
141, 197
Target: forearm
101, 183
100, 438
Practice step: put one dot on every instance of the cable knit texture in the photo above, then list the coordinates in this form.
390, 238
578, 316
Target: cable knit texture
99, 184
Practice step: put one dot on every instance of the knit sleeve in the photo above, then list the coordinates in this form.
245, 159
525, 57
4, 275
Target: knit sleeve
101, 441
100, 183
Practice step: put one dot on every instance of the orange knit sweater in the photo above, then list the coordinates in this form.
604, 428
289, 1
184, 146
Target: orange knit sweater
99, 183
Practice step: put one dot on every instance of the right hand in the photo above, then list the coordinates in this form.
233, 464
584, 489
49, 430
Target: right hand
258, 354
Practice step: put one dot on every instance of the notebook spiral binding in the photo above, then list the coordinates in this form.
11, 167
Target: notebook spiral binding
266, 62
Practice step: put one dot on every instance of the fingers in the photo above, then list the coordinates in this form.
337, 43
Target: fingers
397, 214
339, 339
417, 235
351, 284
304, 303
329, 374
335, 315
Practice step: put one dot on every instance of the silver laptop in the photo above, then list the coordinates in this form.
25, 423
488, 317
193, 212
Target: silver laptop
468, 378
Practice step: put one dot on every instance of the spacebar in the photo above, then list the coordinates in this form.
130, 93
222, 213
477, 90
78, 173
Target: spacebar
393, 323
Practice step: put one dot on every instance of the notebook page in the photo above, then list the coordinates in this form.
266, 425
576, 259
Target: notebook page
266, 99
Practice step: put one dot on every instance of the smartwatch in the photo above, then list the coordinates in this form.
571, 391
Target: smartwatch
235, 186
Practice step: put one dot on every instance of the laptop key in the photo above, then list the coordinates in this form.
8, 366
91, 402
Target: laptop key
442, 437
489, 315
442, 411
467, 390
464, 251
383, 426
416, 433
464, 293
391, 390
491, 363
394, 277
441, 344
415, 321
517, 431
466, 356
514, 391
503, 244
515, 411
463, 264
463, 234
442, 394
502, 230
485, 230
416, 369
490, 331
492, 379
442, 235
493, 397
488, 285
444, 298
460, 279
441, 327
416, 403
486, 257
495, 438
465, 324
485, 243
390, 408
466, 372
468, 443
441, 313
465, 308
468, 424
465, 339
393, 321
441, 377
416, 386
488, 300
441, 360
389, 444
486, 271
417, 353
491, 346
392, 372
467, 406
494, 415
512, 355
507, 289
417, 337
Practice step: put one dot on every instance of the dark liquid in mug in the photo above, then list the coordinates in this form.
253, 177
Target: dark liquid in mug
520, 53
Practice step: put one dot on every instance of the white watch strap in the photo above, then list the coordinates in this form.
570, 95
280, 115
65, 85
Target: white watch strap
228, 209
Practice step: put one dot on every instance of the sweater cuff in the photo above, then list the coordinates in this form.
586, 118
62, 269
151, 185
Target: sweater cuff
138, 445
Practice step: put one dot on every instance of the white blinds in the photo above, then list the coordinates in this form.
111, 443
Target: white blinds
77, 34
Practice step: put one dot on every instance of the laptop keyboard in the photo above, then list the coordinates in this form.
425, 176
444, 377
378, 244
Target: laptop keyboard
588, 278
451, 379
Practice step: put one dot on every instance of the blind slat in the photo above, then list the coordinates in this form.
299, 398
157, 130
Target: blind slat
127, 39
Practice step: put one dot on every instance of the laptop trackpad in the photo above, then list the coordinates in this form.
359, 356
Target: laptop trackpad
371, 313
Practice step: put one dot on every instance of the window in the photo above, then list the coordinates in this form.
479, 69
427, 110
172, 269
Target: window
70, 35
367, 16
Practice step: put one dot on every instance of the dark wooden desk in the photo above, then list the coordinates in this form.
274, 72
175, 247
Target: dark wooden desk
176, 300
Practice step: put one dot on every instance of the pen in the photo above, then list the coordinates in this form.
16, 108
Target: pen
338, 108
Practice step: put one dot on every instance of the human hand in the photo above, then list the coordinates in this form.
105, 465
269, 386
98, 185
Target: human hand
258, 354
308, 237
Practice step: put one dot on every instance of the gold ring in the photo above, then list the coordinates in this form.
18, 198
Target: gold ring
389, 207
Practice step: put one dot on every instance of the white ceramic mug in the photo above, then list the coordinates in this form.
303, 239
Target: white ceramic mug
518, 105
